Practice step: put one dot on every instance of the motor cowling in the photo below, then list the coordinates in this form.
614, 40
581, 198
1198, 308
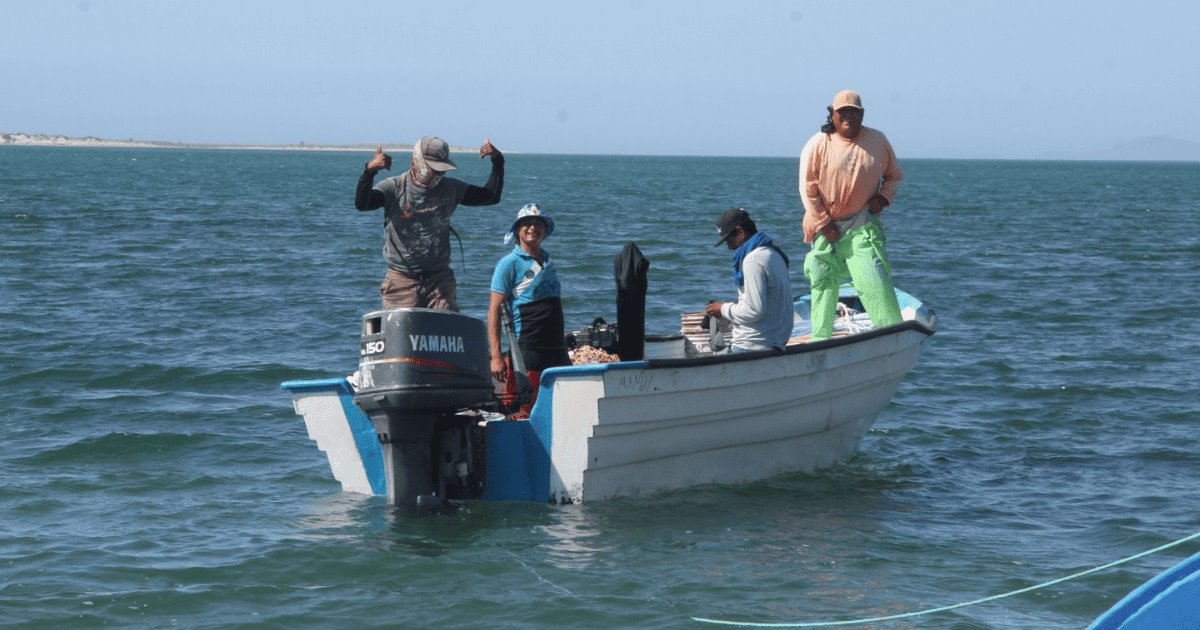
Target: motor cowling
419, 359
417, 368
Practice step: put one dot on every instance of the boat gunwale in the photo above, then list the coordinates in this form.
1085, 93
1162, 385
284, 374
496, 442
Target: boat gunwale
551, 374
802, 348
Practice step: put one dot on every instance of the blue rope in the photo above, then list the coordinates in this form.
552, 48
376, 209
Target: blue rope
908, 615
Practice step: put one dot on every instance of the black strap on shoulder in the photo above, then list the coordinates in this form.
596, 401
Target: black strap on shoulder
461, 252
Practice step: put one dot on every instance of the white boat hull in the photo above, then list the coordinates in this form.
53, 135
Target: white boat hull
641, 430
645, 427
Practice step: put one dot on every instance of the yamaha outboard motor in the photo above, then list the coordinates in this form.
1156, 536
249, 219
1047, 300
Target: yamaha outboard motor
417, 368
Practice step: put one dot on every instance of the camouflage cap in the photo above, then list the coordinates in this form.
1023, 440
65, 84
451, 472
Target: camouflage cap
436, 153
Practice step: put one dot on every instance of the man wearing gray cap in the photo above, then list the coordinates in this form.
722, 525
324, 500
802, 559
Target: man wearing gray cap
848, 175
417, 207
763, 315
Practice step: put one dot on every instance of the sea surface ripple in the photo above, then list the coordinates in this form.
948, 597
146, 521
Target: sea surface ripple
153, 473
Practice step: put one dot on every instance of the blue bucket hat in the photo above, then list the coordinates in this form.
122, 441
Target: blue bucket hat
528, 210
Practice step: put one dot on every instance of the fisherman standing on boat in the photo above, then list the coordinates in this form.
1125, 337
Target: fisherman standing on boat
417, 208
762, 317
525, 284
848, 175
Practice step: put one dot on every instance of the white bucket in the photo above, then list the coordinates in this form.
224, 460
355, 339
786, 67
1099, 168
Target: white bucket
666, 346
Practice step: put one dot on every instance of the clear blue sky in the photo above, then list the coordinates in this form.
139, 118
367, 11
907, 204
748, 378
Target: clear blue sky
947, 78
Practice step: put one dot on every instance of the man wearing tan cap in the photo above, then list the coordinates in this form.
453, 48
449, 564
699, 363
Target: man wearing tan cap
417, 205
848, 175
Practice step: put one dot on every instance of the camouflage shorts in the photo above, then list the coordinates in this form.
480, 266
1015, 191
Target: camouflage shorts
437, 290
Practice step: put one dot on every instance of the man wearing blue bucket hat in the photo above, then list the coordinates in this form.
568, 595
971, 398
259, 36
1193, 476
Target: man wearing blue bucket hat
525, 283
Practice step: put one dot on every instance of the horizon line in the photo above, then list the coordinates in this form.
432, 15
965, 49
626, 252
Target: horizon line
64, 141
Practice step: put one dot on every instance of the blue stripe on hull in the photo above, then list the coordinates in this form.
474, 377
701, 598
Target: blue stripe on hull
370, 452
518, 466
369, 448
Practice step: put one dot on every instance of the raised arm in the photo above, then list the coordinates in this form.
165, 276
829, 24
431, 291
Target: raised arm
489, 194
365, 196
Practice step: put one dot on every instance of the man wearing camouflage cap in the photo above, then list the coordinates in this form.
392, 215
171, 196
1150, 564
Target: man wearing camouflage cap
417, 207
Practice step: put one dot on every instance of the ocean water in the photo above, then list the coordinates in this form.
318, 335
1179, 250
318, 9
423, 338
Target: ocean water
153, 473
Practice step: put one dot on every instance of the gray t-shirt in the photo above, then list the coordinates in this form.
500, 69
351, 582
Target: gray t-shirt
417, 223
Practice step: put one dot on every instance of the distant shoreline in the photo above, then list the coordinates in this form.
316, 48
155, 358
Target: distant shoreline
1153, 149
50, 140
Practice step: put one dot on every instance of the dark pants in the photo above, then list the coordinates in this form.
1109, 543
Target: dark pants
543, 358
536, 360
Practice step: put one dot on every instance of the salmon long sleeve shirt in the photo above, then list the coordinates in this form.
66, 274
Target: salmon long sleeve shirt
839, 176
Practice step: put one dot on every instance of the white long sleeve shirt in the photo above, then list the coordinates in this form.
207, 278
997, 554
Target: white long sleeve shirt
763, 316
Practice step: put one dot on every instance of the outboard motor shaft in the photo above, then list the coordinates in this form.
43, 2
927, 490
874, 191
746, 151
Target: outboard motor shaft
418, 365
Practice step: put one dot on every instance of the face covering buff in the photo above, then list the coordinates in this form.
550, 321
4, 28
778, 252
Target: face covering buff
423, 175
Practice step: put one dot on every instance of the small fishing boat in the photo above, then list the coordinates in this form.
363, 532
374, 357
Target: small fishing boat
418, 422
1170, 600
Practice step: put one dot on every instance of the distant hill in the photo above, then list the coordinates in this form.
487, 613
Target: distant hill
51, 140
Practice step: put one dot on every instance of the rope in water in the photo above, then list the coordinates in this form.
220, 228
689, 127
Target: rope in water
930, 611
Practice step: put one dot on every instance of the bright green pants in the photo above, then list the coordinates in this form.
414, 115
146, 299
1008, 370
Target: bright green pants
860, 257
